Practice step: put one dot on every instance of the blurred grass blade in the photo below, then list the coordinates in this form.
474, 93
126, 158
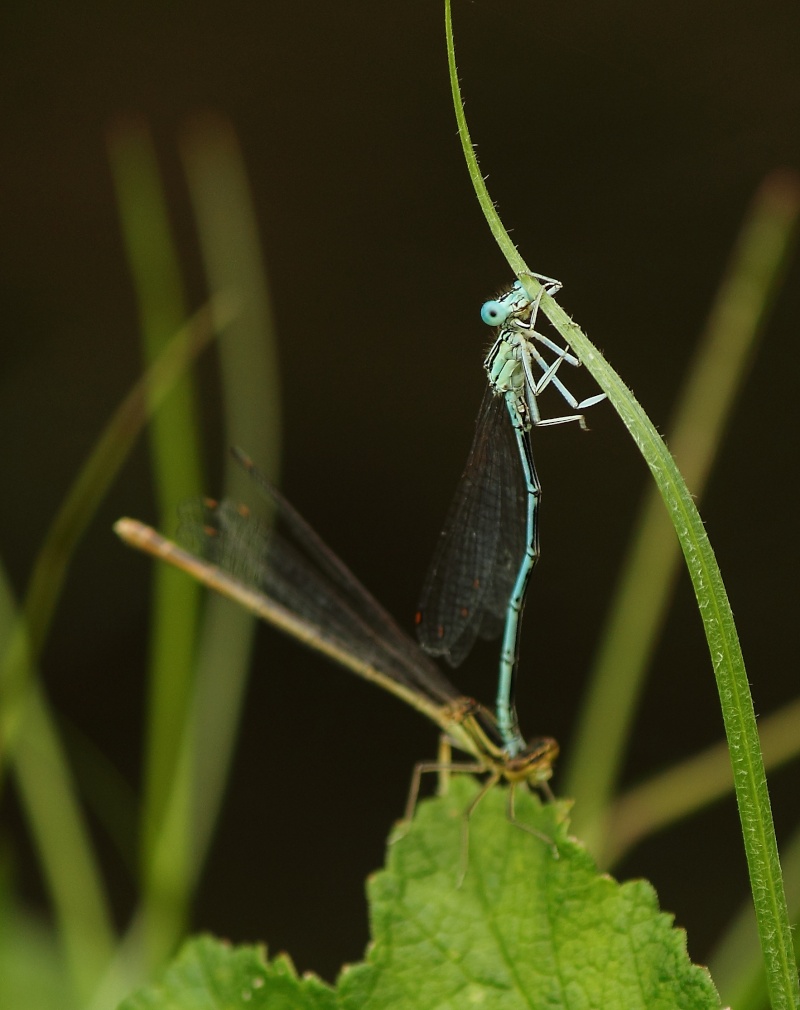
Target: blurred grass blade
156, 274
27, 728
693, 784
204, 743
226, 222
55, 821
727, 661
650, 569
82, 501
166, 878
64, 846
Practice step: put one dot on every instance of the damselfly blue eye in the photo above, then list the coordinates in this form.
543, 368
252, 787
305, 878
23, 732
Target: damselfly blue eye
494, 312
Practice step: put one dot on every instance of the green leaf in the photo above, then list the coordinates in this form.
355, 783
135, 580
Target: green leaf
483, 913
524, 929
210, 975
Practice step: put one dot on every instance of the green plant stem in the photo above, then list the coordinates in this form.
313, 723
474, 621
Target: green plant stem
496, 226
736, 702
651, 567
737, 969
726, 656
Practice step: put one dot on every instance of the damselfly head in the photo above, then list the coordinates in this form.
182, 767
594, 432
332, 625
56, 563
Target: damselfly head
535, 764
517, 302
498, 310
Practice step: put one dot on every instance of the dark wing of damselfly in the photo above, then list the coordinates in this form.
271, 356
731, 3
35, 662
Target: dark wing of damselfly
480, 549
308, 579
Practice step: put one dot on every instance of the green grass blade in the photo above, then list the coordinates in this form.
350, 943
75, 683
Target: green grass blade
158, 286
496, 226
650, 569
82, 500
251, 396
720, 629
64, 846
736, 963
205, 742
226, 219
727, 661
27, 728
55, 821
167, 874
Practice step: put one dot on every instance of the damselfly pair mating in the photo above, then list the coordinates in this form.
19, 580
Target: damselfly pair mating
478, 579
476, 584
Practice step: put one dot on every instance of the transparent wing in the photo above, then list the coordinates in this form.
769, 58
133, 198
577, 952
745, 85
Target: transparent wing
480, 549
308, 579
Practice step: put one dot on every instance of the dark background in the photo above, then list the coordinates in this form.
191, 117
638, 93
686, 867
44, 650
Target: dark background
623, 143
